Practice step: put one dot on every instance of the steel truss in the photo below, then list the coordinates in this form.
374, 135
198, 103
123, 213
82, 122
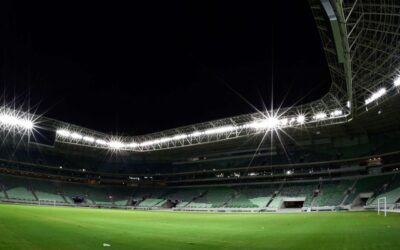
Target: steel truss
362, 47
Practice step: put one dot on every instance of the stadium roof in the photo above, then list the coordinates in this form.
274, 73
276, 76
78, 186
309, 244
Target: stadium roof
361, 44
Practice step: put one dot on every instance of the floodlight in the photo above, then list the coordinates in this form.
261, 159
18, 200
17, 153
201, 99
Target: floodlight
101, 142
268, 123
320, 116
14, 121
27, 124
272, 122
301, 119
88, 139
132, 145
116, 144
63, 132
149, 143
283, 121
195, 134
336, 112
376, 95
219, 130
396, 82
166, 139
179, 136
76, 136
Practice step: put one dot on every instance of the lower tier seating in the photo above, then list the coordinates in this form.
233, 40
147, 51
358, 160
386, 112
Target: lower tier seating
151, 202
392, 197
331, 194
367, 185
214, 197
20, 193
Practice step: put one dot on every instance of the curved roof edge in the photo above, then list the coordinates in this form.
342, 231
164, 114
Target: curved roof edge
361, 40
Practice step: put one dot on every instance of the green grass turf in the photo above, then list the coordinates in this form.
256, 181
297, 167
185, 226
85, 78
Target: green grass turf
30, 227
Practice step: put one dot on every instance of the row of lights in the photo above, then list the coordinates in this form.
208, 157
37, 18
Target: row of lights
267, 124
381, 92
12, 119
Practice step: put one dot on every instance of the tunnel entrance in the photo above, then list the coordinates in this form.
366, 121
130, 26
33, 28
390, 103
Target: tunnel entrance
292, 204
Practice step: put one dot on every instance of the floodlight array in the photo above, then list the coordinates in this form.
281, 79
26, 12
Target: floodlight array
11, 119
268, 124
381, 92
396, 82
375, 96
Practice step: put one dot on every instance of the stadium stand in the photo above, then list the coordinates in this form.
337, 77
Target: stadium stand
183, 196
20, 193
151, 202
370, 185
275, 203
100, 196
332, 193
251, 197
392, 197
213, 197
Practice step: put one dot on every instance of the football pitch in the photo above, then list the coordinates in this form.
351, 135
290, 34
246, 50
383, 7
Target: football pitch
35, 227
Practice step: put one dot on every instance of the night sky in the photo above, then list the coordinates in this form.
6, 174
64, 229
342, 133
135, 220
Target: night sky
154, 65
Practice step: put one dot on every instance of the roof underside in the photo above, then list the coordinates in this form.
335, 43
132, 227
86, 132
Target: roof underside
362, 47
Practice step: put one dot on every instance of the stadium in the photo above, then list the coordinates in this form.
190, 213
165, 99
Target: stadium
317, 175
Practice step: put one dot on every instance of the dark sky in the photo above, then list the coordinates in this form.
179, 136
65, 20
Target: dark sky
152, 65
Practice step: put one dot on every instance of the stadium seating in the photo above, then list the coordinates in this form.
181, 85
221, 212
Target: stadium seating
367, 185
100, 196
392, 197
121, 196
17, 188
298, 190
49, 197
143, 193
199, 205
76, 190
214, 197
332, 193
152, 202
252, 197
391, 191
275, 203
184, 196
45, 190
20, 193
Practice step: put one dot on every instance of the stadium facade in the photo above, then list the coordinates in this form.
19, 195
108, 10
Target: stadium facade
339, 152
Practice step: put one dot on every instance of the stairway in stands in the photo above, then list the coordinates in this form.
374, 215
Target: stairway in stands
196, 197
34, 194
5, 194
